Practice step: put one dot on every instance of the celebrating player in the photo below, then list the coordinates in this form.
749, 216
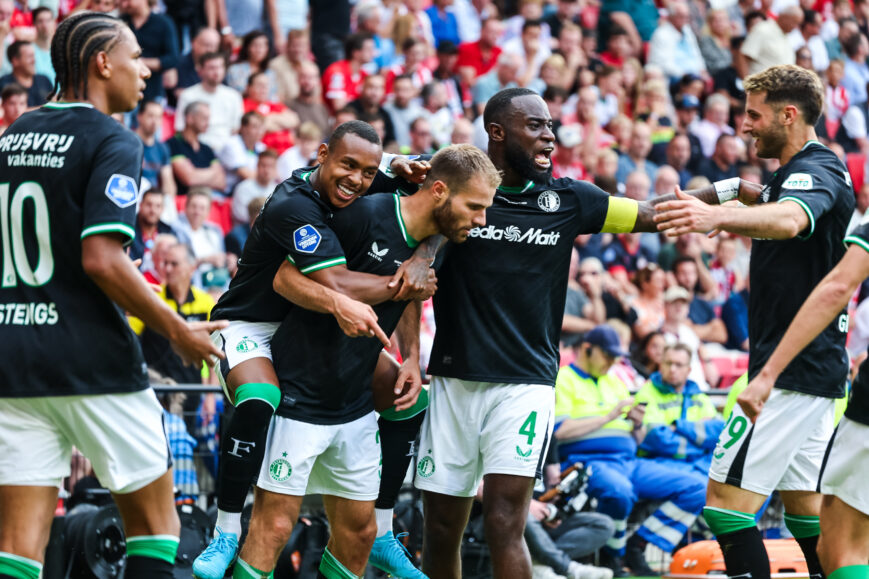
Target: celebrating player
326, 376
798, 229
293, 225
495, 355
74, 372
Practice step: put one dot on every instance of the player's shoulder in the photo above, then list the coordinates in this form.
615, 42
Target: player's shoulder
816, 162
572, 186
295, 193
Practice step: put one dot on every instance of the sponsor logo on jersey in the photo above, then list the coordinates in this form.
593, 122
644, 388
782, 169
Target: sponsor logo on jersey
36, 142
28, 314
511, 233
802, 181
306, 239
376, 252
281, 469
246, 345
549, 201
523, 454
764, 194
122, 190
426, 467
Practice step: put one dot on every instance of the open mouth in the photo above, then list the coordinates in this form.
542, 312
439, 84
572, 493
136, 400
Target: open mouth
346, 193
543, 158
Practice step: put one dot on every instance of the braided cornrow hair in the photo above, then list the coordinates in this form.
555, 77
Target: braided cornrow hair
76, 41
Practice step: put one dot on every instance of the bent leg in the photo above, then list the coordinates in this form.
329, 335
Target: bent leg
505, 507
445, 519
353, 531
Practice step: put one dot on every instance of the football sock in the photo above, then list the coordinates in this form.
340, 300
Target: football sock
397, 438
150, 557
805, 530
741, 543
244, 570
242, 448
331, 568
15, 567
851, 572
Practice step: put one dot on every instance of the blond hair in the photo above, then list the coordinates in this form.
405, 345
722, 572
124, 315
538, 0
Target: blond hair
457, 164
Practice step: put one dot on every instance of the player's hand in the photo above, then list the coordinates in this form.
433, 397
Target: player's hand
755, 395
414, 279
358, 320
413, 171
686, 214
408, 385
193, 342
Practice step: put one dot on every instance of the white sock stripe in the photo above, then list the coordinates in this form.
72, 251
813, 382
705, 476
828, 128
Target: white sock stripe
621, 524
617, 542
172, 538
20, 559
677, 513
731, 513
658, 527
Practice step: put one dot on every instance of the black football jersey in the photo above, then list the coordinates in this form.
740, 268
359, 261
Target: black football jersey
326, 376
858, 405
500, 299
67, 171
784, 272
293, 225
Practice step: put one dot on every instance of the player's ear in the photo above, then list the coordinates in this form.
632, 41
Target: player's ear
322, 153
496, 132
104, 66
440, 192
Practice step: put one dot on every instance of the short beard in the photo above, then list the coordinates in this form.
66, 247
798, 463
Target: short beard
520, 161
774, 142
446, 222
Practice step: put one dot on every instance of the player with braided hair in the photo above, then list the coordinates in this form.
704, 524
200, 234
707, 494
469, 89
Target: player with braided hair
68, 195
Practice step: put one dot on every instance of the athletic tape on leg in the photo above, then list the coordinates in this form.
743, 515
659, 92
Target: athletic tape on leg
162, 547
268, 393
19, 567
723, 521
331, 568
802, 526
394, 415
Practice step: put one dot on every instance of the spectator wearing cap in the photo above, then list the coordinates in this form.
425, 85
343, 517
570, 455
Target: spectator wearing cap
444, 25
567, 160
598, 424
676, 328
715, 122
481, 55
674, 47
767, 43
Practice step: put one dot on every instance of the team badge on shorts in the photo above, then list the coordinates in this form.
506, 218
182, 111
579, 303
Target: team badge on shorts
426, 467
122, 190
549, 201
280, 469
306, 239
246, 345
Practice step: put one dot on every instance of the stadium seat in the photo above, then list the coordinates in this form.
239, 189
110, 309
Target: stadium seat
221, 211
856, 163
731, 365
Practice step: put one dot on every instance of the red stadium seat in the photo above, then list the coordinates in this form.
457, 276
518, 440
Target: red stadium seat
221, 212
856, 163
730, 366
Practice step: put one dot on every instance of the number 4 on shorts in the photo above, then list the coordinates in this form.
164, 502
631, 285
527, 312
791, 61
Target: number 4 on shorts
528, 427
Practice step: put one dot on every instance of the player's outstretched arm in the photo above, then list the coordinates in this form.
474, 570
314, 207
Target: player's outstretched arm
106, 263
768, 221
355, 318
715, 194
822, 306
409, 382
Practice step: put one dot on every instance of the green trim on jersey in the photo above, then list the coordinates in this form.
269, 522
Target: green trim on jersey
322, 265
808, 211
109, 228
410, 241
522, 189
61, 105
856, 240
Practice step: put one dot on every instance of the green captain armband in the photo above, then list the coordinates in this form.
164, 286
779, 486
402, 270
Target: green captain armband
621, 215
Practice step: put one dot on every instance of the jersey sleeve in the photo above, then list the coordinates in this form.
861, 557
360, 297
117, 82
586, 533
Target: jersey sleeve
598, 212
813, 190
299, 226
860, 235
112, 189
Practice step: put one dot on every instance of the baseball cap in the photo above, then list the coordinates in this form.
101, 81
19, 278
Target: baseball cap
605, 338
676, 292
688, 101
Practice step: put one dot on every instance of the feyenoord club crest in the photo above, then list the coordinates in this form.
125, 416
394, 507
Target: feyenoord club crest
549, 201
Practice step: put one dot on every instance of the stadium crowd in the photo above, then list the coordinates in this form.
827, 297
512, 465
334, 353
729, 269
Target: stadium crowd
645, 98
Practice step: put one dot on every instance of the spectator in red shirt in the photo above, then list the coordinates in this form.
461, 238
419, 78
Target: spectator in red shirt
279, 120
415, 52
618, 48
482, 55
342, 81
